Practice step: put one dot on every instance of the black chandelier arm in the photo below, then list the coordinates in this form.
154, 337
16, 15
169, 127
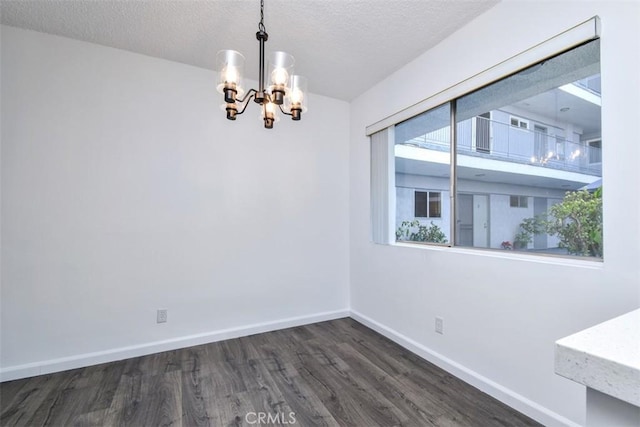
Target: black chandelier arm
247, 98
284, 112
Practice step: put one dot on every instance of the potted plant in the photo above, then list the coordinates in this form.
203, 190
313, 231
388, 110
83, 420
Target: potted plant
506, 245
528, 228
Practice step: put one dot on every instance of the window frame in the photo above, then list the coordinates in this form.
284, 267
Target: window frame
580, 34
519, 201
520, 121
428, 204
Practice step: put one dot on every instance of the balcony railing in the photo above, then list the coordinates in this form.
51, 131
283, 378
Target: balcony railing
501, 141
592, 84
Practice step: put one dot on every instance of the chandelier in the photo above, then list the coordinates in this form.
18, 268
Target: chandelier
285, 91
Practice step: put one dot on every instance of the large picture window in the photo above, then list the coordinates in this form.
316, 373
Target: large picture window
526, 156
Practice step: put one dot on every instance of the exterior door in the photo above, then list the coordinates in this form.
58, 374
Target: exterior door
539, 208
483, 133
464, 222
540, 141
480, 221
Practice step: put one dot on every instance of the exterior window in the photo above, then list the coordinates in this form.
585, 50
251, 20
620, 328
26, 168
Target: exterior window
427, 204
435, 206
519, 201
519, 123
543, 139
595, 151
560, 142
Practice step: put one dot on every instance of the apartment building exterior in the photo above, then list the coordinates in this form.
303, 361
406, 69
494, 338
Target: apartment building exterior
513, 162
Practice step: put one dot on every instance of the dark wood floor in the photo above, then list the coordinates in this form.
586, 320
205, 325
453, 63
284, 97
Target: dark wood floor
330, 373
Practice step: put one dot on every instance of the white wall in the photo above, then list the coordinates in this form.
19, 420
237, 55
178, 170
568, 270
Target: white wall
125, 190
502, 313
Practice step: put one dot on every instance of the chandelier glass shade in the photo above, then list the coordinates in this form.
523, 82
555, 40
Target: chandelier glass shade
279, 90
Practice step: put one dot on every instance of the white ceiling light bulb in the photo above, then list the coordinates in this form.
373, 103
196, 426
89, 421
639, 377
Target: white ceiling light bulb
279, 76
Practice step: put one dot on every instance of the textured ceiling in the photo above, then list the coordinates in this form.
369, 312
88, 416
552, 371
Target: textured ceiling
342, 46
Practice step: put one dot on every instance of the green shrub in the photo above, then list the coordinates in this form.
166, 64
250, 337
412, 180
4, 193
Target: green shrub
577, 221
416, 232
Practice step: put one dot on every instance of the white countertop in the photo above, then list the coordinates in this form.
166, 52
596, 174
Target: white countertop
605, 357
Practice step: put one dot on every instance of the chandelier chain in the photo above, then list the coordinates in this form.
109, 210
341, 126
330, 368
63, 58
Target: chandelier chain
261, 24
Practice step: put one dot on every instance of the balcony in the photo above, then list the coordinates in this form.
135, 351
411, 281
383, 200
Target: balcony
481, 137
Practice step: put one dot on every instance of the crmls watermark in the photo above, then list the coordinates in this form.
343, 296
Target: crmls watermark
268, 418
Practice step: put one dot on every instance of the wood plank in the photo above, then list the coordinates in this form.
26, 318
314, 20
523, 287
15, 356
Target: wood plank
126, 400
166, 400
348, 399
30, 397
222, 367
59, 395
89, 419
307, 406
421, 408
197, 389
147, 400
232, 409
265, 393
107, 376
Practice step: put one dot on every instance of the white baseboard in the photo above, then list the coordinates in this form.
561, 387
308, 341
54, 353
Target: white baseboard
112, 355
507, 396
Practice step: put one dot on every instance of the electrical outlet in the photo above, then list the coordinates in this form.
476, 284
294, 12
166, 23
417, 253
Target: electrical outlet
162, 316
440, 325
